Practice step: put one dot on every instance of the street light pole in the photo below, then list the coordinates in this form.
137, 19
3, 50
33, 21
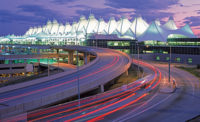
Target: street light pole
79, 96
169, 63
138, 59
96, 43
48, 66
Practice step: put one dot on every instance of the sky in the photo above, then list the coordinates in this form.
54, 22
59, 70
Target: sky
16, 16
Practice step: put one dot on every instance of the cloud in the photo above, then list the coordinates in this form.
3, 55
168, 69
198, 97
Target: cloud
27, 16
142, 4
153, 15
63, 1
8, 17
192, 21
105, 13
149, 9
39, 11
36, 14
79, 6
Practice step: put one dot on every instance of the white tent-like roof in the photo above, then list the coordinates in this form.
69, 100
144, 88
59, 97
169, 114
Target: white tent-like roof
92, 24
82, 24
170, 24
102, 26
187, 31
138, 29
112, 26
74, 27
68, 28
49, 27
39, 29
61, 29
34, 30
139, 26
55, 27
123, 26
157, 21
154, 32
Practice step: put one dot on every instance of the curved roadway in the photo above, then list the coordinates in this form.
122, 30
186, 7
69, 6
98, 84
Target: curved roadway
180, 106
135, 104
139, 101
109, 65
99, 106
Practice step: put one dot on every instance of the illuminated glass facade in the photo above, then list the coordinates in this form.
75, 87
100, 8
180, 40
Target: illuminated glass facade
77, 32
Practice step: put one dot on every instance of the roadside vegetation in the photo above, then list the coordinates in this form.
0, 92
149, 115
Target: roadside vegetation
124, 79
193, 70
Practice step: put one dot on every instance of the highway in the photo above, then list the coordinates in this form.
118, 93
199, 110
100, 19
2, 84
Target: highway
180, 106
133, 104
110, 64
141, 100
106, 103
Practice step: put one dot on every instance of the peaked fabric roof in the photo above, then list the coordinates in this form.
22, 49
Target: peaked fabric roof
82, 23
92, 24
123, 25
112, 26
101, 26
187, 31
138, 28
154, 32
170, 24
161, 33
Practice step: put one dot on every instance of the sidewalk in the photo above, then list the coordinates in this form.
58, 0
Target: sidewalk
167, 87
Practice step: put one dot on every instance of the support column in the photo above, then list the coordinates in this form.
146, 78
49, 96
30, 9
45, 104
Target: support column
70, 57
10, 66
48, 67
57, 51
5, 49
126, 72
88, 58
10, 62
85, 58
38, 51
58, 62
25, 61
101, 88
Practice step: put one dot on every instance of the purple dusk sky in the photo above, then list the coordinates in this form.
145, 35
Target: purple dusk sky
16, 16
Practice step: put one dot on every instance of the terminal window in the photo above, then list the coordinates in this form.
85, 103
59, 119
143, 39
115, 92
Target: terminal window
157, 58
178, 59
189, 60
118, 43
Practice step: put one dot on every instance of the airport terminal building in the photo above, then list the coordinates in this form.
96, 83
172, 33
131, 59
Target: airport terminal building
153, 39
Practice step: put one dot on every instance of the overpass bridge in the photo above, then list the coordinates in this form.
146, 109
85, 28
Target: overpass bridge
27, 96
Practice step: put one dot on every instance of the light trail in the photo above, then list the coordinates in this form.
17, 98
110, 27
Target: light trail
73, 119
90, 107
110, 112
117, 109
105, 106
54, 86
93, 104
82, 106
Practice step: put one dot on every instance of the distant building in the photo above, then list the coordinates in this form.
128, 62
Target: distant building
76, 33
